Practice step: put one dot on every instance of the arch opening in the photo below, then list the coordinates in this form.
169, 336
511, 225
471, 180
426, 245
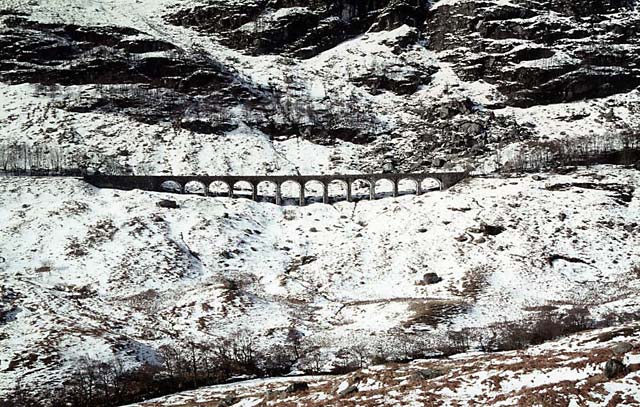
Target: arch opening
243, 189
384, 188
313, 191
337, 190
219, 188
171, 186
408, 186
430, 184
195, 187
360, 189
290, 191
266, 191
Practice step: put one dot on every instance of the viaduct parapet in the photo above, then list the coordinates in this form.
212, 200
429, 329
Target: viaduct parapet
179, 183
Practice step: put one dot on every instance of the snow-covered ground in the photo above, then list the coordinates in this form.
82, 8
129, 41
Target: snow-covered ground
566, 372
104, 272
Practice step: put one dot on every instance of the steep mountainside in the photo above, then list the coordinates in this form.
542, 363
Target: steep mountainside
309, 87
403, 82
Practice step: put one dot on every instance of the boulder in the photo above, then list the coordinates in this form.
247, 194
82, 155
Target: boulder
491, 230
349, 390
471, 128
296, 387
438, 162
428, 374
431, 278
621, 348
479, 240
168, 203
613, 368
228, 401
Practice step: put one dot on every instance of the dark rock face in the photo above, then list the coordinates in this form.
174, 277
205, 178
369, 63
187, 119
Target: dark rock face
525, 53
592, 52
150, 88
401, 82
298, 28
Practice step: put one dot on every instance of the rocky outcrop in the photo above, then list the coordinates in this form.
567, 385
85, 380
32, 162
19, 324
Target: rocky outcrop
522, 53
535, 57
400, 82
161, 86
297, 28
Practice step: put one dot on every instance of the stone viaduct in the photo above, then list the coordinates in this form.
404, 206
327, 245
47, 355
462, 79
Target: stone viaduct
177, 183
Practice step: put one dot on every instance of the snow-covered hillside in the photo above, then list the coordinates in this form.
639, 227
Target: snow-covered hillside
103, 273
155, 84
249, 87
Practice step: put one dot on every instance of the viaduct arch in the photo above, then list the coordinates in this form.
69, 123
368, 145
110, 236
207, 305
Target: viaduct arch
159, 183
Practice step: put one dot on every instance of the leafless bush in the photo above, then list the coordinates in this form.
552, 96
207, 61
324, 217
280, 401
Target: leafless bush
545, 326
50, 159
351, 358
587, 150
36, 159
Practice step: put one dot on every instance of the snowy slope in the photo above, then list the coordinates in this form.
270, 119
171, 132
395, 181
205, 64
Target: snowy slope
103, 272
100, 273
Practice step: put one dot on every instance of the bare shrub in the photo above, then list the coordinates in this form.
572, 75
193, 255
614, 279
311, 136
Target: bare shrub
545, 326
587, 150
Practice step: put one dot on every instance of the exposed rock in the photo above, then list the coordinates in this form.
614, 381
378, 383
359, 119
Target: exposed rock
613, 368
297, 28
491, 230
471, 129
479, 240
143, 45
168, 203
159, 85
563, 60
462, 238
621, 348
349, 390
438, 163
297, 387
228, 401
401, 82
428, 374
431, 278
